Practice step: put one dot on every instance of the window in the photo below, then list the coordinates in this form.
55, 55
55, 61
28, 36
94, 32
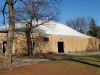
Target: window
32, 44
45, 39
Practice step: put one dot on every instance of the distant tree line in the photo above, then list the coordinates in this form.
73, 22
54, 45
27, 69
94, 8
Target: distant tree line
86, 26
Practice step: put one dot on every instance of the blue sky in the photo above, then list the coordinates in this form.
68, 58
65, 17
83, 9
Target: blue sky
71, 9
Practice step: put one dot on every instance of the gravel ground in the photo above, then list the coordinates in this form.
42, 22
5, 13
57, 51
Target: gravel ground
20, 62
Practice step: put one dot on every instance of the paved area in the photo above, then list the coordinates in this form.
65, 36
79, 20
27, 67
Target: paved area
21, 62
24, 61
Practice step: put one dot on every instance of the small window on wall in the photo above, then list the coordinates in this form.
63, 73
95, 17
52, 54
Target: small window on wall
32, 44
45, 39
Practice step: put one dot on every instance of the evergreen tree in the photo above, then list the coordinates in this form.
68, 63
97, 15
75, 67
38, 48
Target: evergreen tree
93, 29
98, 32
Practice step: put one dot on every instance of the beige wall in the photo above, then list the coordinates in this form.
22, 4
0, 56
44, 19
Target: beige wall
71, 43
19, 45
2, 38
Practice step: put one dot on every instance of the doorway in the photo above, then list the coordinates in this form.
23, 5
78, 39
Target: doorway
4, 46
99, 46
60, 47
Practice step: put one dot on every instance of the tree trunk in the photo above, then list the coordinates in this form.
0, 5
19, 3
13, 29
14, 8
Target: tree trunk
10, 36
28, 36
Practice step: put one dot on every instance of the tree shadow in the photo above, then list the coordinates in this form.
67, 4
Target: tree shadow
83, 62
92, 44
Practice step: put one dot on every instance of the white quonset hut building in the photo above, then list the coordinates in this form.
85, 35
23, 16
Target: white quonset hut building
51, 37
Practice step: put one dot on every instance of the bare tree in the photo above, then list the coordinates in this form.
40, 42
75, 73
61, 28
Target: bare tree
36, 13
10, 37
80, 24
30, 10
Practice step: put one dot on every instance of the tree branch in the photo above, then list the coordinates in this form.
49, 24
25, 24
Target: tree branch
15, 1
4, 11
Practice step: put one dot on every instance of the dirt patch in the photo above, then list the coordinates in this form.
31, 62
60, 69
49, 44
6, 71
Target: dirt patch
59, 67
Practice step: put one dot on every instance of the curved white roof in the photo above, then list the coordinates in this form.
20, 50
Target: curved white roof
53, 28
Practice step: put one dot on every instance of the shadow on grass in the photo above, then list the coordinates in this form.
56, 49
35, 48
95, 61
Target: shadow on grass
89, 59
95, 65
93, 60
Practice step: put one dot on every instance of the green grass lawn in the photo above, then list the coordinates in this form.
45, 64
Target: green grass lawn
89, 59
85, 52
